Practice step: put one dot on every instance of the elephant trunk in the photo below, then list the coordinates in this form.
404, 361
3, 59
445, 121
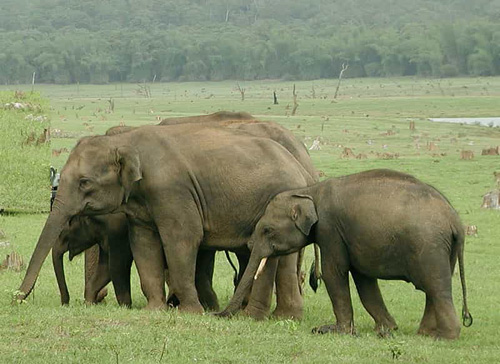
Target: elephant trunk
255, 266
50, 234
57, 261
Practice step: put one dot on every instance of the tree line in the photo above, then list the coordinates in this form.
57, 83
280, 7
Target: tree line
100, 41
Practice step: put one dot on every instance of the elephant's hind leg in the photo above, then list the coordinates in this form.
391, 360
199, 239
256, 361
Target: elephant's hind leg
203, 280
435, 281
371, 298
428, 324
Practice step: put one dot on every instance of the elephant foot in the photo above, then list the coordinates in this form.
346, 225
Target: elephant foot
255, 313
191, 308
437, 334
222, 314
326, 329
385, 330
294, 313
153, 306
426, 331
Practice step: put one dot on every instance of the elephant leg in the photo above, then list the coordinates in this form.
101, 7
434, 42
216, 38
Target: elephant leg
98, 280
203, 280
120, 263
149, 260
448, 325
433, 276
371, 298
335, 268
428, 325
180, 247
289, 302
259, 303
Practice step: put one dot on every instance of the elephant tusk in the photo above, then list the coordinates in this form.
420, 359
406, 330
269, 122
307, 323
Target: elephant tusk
261, 268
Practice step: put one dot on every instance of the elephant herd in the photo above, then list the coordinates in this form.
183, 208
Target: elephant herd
168, 196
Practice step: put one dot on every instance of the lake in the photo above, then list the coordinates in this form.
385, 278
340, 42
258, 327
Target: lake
477, 121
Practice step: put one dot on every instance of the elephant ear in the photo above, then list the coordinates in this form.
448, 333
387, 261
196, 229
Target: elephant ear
304, 213
129, 170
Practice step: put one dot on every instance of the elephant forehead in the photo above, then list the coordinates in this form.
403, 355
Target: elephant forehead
278, 208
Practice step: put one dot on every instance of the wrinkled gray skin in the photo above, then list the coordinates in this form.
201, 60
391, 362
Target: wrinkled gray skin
259, 301
201, 189
110, 260
375, 224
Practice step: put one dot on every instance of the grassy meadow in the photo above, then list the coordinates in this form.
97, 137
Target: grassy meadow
372, 118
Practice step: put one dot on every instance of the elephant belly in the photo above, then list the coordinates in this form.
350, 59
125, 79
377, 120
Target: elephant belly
381, 259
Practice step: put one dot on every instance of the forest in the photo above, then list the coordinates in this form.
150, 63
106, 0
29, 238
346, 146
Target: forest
102, 41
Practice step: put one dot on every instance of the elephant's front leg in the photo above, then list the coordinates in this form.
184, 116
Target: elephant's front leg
335, 267
149, 260
261, 295
288, 297
180, 245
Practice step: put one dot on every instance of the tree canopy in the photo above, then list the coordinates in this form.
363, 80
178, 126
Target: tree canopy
100, 41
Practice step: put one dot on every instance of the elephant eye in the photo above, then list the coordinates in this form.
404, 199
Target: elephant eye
85, 183
268, 231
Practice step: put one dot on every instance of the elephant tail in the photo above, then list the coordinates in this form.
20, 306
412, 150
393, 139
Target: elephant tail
459, 237
235, 278
315, 272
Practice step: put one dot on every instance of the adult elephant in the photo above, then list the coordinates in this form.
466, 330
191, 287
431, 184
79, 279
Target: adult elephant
203, 188
105, 240
259, 302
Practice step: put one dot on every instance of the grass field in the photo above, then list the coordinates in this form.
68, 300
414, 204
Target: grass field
24, 157
371, 116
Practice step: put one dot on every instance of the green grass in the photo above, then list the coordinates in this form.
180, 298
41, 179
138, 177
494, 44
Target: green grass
24, 183
42, 331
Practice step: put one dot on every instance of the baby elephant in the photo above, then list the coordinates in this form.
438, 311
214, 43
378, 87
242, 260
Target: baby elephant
375, 224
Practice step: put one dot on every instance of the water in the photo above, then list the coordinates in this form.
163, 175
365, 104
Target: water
474, 121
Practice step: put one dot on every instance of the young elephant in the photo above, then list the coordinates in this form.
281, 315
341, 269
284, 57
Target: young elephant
108, 258
113, 258
375, 224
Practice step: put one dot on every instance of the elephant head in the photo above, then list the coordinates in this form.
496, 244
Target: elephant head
97, 179
284, 228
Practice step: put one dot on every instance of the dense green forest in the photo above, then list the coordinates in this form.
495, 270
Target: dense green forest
100, 41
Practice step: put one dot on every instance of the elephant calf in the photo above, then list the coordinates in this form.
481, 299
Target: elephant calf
108, 258
375, 224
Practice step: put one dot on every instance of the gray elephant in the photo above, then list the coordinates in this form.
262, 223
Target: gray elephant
258, 304
183, 189
113, 256
375, 224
